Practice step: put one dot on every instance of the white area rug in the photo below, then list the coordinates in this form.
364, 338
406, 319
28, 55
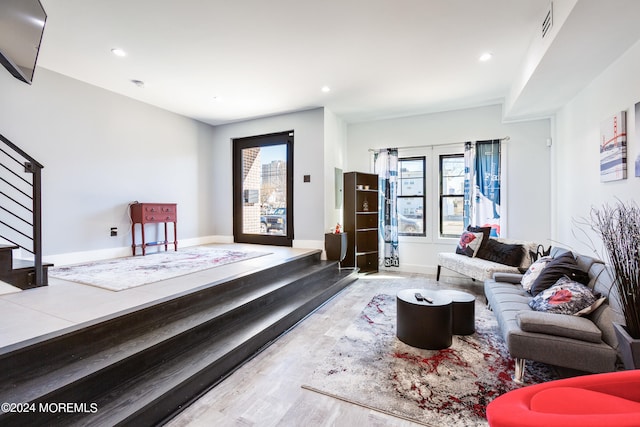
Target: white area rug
125, 273
370, 367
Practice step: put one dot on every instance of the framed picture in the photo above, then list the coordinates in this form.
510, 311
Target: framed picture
613, 148
637, 137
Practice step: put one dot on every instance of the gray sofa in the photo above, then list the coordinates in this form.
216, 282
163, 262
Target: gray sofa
582, 343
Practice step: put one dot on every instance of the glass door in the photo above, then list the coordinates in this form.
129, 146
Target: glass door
263, 189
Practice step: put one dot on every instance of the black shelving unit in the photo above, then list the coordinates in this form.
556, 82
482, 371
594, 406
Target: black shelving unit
361, 221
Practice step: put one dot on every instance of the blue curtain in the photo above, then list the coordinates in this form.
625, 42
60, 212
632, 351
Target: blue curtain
482, 185
469, 186
386, 166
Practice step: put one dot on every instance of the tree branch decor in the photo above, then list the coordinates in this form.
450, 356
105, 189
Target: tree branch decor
619, 228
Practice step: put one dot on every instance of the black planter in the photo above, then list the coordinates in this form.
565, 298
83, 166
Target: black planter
336, 246
628, 347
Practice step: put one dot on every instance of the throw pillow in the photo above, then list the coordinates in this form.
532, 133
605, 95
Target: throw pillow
503, 253
565, 297
469, 243
593, 307
533, 272
563, 265
486, 232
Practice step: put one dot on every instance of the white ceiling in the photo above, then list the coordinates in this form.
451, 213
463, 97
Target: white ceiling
221, 61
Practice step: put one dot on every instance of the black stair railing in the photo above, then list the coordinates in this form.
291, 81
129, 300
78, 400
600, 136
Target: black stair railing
21, 203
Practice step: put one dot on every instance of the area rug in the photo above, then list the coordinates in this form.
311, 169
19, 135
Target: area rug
124, 273
370, 367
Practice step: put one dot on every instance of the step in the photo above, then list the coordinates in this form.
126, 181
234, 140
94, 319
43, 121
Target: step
17, 272
160, 393
178, 348
6, 257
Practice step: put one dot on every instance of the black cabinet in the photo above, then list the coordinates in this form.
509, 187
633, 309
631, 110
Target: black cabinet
361, 221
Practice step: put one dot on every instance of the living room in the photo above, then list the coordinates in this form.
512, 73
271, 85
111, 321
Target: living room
102, 150
128, 151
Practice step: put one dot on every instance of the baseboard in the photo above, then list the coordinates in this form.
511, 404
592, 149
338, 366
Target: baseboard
309, 244
411, 268
110, 253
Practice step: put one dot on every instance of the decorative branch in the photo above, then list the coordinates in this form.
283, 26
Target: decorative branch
619, 229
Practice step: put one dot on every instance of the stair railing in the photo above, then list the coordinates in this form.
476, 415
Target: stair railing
21, 203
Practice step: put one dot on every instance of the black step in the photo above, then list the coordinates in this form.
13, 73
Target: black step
20, 273
6, 257
141, 366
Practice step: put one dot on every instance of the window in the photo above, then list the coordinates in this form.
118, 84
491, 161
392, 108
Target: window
263, 190
451, 195
411, 196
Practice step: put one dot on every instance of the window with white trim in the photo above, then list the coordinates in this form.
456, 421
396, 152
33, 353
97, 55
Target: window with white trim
451, 195
411, 196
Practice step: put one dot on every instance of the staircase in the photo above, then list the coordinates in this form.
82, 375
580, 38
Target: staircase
20, 217
142, 366
20, 273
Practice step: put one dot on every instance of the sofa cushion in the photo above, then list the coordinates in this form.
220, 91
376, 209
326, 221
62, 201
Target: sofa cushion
565, 297
533, 272
560, 325
476, 268
563, 265
469, 243
503, 253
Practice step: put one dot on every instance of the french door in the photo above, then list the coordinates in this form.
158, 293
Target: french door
263, 189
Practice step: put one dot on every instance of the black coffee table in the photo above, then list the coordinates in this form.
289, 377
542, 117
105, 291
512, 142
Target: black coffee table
424, 324
463, 311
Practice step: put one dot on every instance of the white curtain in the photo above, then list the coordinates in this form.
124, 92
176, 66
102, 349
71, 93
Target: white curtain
482, 186
386, 166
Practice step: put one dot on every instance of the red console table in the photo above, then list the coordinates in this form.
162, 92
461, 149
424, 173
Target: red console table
154, 213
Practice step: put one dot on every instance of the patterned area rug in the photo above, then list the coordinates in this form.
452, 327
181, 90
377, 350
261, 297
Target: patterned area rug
370, 367
125, 273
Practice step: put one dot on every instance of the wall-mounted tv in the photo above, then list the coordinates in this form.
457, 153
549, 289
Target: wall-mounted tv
21, 28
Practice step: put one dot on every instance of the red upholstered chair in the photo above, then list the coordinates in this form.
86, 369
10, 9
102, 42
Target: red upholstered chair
610, 399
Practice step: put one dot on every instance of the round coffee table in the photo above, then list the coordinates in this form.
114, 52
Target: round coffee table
463, 311
424, 324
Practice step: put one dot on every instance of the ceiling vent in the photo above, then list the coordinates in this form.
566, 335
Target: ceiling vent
547, 23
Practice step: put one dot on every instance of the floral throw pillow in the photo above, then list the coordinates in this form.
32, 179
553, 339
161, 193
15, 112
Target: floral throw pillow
533, 272
469, 244
565, 297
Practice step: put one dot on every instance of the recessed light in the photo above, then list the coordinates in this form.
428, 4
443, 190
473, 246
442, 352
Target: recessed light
486, 56
118, 52
138, 83
326, 89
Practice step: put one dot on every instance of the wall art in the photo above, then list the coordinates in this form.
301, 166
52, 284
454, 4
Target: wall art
613, 148
637, 136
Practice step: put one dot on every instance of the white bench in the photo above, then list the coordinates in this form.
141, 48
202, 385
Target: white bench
482, 269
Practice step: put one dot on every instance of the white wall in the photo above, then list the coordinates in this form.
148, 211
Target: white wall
577, 186
102, 151
527, 169
308, 152
335, 156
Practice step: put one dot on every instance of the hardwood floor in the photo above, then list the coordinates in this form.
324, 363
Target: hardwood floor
267, 390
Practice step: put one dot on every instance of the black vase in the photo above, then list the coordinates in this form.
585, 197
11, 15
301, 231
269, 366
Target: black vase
628, 347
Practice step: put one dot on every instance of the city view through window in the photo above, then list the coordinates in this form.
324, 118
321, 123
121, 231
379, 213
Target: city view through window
265, 189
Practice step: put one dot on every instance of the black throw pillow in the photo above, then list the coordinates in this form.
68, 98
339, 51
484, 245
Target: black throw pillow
486, 231
503, 253
562, 265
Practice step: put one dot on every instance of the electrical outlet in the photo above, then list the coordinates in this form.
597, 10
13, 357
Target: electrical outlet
114, 231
